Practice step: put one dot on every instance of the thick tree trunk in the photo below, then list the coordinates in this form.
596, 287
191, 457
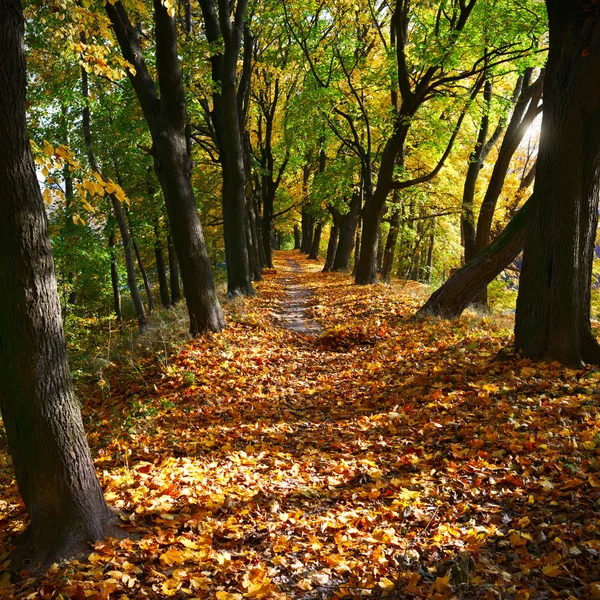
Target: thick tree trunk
173, 271
166, 119
331, 247
46, 440
316, 244
161, 270
451, 299
553, 311
114, 279
347, 225
226, 31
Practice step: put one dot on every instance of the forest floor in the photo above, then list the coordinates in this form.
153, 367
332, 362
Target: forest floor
326, 445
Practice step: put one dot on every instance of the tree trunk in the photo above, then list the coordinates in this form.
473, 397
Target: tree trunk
347, 225
144, 274
114, 278
390, 246
53, 467
308, 228
520, 122
136, 299
331, 247
357, 248
254, 243
553, 306
160, 267
225, 27
451, 299
297, 237
173, 272
316, 244
430, 257
476, 160
166, 119
71, 276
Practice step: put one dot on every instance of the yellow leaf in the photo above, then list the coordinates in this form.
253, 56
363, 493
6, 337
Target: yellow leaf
88, 206
442, 584
522, 595
552, 570
386, 584
173, 557
228, 596
516, 540
170, 587
5, 581
595, 590
413, 580
594, 480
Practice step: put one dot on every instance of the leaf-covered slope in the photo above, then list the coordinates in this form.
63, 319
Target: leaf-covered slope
399, 456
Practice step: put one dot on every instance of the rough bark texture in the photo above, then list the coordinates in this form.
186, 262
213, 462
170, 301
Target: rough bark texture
553, 310
297, 237
451, 299
166, 119
334, 234
316, 244
161, 269
224, 26
390, 246
347, 224
46, 440
173, 272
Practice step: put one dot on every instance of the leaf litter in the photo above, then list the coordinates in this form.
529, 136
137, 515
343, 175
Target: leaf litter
385, 458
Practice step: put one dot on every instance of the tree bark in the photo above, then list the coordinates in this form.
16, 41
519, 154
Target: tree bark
347, 225
297, 237
140, 263
316, 244
114, 278
173, 272
390, 246
226, 31
331, 247
451, 299
166, 119
44, 429
161, 270
525, 112
553, 307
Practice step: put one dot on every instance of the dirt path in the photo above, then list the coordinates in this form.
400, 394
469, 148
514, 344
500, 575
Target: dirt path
294, 310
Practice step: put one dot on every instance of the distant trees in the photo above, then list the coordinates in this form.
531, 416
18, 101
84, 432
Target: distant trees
46, 440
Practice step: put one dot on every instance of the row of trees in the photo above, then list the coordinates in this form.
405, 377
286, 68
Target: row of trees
343, 114
364, 104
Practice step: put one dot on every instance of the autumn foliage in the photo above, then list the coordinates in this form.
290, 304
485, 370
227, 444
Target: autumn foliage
386, 457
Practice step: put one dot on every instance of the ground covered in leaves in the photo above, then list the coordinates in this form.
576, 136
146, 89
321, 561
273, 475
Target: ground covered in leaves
383, 457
